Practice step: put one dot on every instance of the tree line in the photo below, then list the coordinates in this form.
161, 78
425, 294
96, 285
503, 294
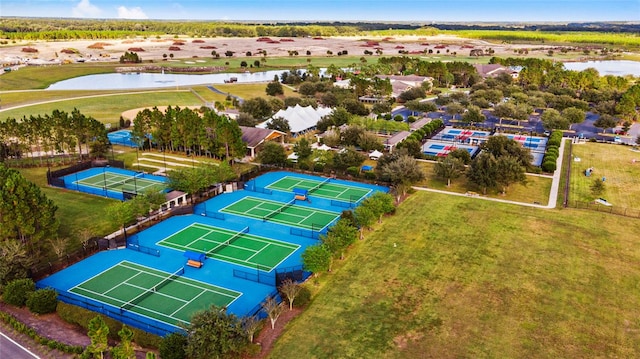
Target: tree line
39, 137
201, 132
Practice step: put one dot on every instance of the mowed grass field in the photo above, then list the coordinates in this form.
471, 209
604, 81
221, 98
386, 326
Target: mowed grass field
77, 211
614, 162
535, 190
454, 277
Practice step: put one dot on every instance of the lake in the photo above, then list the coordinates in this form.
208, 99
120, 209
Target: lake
610, 67
125, 81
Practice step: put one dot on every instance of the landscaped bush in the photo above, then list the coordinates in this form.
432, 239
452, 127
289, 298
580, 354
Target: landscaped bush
303, 298
17, 291
369, 175
303, 166
318, 167
42, 301
354, 171
549, 166
81, 317
25, 329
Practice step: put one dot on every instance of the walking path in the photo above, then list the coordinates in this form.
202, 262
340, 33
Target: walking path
553, 193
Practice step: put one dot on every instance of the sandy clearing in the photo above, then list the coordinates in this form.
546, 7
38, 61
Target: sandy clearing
154, 49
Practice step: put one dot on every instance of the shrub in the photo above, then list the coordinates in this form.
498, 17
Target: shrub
398, 118
369, 175
303, 298
318, 167
43, 301
354, 171
81, 317
549, 166
173, 346
17, 291
304, 166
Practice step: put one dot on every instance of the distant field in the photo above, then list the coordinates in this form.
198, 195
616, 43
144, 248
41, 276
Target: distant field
452, 277
614, 162
108, 109
564, 37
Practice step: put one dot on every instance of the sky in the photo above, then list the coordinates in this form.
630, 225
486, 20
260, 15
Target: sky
332, 10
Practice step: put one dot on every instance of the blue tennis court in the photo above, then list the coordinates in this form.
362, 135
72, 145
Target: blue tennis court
245, 240
122, 138
114, 182
439, 149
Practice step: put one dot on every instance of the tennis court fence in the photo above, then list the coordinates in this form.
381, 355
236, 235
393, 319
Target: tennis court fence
617, 210
133, 243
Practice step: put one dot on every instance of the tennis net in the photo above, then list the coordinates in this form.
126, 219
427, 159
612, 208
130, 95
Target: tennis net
228, 241
124, 182
279, 210
314, 188
130, 304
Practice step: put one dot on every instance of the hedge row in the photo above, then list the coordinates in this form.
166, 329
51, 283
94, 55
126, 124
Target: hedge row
25, 329
553, 151
426, 130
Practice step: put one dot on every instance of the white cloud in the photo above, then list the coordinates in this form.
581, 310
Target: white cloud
86, 9
131, 13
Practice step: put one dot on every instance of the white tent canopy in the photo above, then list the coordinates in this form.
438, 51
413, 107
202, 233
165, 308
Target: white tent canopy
324, 147
300, 118
375, 155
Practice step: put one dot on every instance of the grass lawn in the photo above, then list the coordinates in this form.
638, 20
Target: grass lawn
76, 210
247, 91
453, 277
614, 162
108, 109
536, 190
40, 77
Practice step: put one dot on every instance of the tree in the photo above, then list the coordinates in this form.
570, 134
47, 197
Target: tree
574, 115
173, 346
98, 332
303, 149
26, 214
124, 350
461, 154
380, 204
273, 310
215, 334
15, 261
257, 107
348, 158
449, 168
403, 172
500, 146
316, 259
120, 214
279, 124
274, 88
339, 237
472, 115
508, 171
290, 290
250, 325
553, 120
483, 171
272, 153
605, 121
364, 217
369, 141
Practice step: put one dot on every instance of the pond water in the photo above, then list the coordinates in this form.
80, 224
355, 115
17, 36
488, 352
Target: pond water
124, 81
611, 67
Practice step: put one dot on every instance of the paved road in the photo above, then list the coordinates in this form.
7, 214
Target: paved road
11, 349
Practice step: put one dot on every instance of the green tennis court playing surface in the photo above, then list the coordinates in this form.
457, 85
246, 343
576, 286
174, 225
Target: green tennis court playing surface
120, 183
325, 189
279, 212
173, 302
230, 246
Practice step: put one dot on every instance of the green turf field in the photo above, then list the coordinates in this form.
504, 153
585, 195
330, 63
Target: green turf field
324, 189
242, 248
283, 213
130, 287
120, 183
